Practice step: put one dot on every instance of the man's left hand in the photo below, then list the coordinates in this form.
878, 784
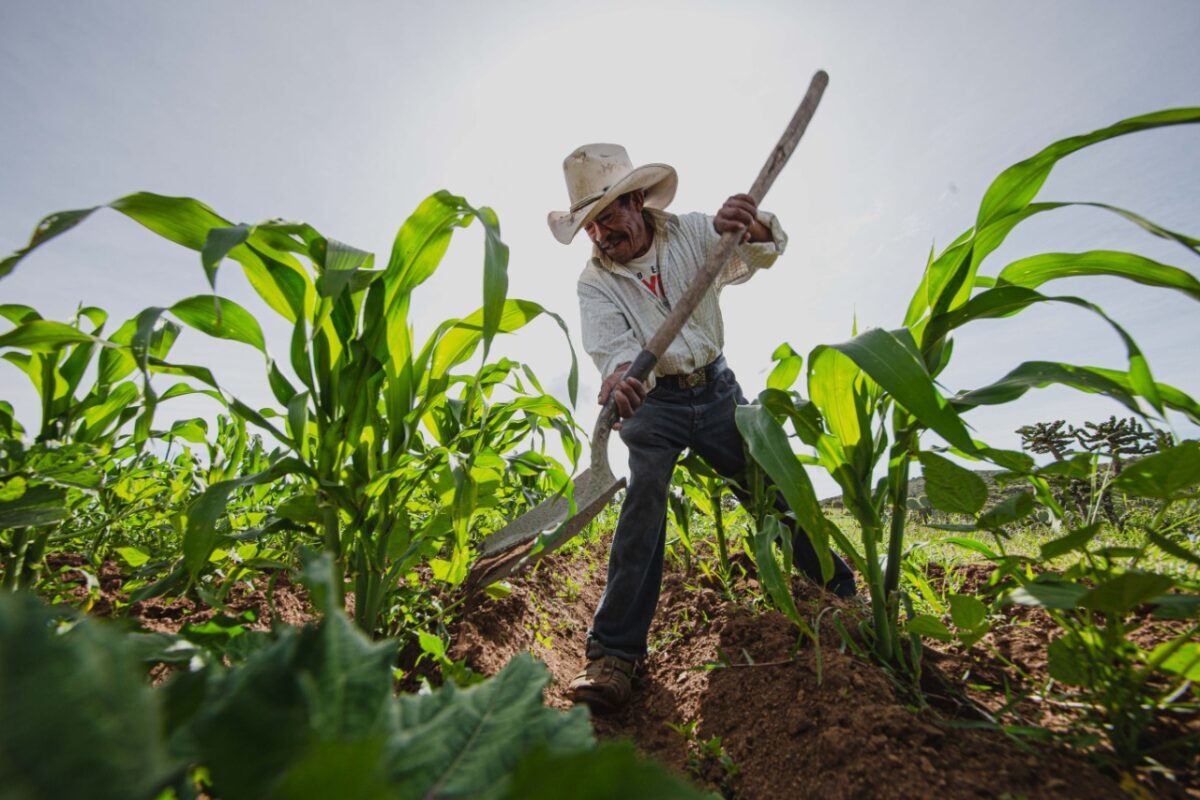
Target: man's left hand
740, 213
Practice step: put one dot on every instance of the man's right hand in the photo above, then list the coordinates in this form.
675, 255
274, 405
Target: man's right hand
629, 393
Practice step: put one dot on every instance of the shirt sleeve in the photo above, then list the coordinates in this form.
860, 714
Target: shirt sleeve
751, 257
607, 335
747, 258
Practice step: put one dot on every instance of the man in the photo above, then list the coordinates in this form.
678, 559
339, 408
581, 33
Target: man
642, 260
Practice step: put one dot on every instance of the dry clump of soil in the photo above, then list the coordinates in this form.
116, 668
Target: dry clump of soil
284, 602
790, 722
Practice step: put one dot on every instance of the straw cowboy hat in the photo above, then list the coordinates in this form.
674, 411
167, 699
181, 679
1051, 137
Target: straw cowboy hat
596, 175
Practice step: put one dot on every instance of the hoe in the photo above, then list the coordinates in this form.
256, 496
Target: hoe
549, 525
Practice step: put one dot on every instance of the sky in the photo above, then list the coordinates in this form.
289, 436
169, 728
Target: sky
346, 115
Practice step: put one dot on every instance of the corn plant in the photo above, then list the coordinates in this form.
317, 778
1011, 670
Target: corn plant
855, 387
371, 416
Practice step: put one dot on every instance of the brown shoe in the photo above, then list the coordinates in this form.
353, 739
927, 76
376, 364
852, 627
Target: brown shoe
605, 684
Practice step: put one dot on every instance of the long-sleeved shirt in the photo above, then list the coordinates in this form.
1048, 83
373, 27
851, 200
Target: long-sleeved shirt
621, 309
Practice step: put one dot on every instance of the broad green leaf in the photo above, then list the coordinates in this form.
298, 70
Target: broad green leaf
327, 683
89, 725
1034, 271
12, 489
1184, 662
613, 770
133, 556
1174, 605
951, 487
217, 244
1072, 542
1167, 475
967, 612
463, 743
1127, 591
37, 505
1055, 594
1066, 664
1011, 509
928, 626
1008, 300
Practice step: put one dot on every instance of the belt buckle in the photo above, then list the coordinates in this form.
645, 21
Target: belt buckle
694, 379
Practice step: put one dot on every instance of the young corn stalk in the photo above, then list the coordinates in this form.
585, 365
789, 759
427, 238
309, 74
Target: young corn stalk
373, 418
854, 385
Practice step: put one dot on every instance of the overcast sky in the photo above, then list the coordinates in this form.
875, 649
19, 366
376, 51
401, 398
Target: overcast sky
347, 114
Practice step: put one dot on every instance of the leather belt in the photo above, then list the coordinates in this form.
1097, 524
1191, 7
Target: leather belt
690, 380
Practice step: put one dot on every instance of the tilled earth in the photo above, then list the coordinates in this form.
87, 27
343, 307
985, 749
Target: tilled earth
729, 700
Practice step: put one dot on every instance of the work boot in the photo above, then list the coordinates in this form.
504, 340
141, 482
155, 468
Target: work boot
605, 684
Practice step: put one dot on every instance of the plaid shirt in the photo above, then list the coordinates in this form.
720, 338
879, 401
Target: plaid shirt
620, 313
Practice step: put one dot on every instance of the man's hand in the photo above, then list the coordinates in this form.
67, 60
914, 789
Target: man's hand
740, 213
629, 393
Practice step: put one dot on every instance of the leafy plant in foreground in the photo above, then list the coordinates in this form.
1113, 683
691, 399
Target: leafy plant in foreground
309, 714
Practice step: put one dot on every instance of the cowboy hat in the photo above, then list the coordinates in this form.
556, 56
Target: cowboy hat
596, 175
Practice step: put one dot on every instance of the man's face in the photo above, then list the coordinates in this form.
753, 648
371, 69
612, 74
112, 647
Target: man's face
620, 230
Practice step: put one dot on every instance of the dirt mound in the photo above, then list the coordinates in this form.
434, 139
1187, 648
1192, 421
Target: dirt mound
279, 601
729, 699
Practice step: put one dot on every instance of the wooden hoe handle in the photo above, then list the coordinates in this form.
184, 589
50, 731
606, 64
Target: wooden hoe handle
719, 257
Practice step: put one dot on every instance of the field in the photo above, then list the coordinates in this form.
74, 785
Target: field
283, 601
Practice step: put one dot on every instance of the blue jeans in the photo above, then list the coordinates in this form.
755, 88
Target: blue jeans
670, 420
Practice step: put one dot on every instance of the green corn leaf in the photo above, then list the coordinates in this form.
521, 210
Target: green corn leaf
220, 318
1167, 475
1037, 374
50, 227
891, 360
217, 244
1124, 593
951, 487
1034, 271
1171, 397
1014, 188
1009, 300
768, 445
46, 336
832, 377
200, 534
774, 580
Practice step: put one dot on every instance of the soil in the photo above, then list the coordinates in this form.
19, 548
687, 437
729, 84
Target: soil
731, 697
285, 602
728, 699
